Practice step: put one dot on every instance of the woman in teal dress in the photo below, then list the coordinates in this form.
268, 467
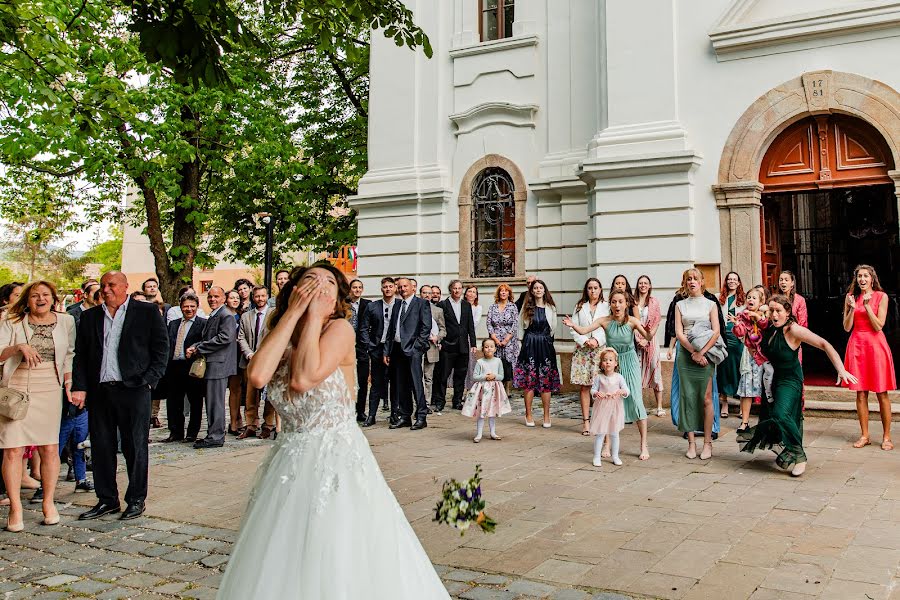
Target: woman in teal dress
732, 300
620, 327
781, 416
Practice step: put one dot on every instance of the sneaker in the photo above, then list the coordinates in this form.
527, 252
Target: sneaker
38, 496
85, 485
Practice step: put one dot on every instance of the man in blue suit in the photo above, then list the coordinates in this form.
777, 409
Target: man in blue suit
407, 342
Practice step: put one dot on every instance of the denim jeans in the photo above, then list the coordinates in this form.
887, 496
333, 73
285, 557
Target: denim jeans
75, 427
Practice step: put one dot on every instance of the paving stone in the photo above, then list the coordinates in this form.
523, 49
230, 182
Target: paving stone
482, 593
57, 580
52, 595
490, 579
160, 567
201, 593
140, 580
190, 573
89, 586
156, 550
172, 587
118, 593
206, 545
184, 556
570, 594
525, 587
462, 575
176, 539
192, 530
214, 560
610, 596
455, 588
130, 546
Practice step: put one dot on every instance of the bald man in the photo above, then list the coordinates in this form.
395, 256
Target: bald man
219, 347
121, 352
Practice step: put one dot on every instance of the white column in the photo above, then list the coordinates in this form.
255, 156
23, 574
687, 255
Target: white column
527, 16
465, 23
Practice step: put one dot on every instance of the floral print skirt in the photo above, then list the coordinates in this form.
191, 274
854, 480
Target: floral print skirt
536, 368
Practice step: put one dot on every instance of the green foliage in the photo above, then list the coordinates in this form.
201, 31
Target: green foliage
8, 275
107, 253
85, 101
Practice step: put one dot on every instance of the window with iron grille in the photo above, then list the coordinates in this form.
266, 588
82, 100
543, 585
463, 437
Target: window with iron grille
497, 18
493, 224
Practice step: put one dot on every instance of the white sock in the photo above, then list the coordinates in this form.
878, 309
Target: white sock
598, 447
614, 448
493, 425
479, 427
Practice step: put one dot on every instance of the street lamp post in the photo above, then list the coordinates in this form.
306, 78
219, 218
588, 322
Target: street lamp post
270, 230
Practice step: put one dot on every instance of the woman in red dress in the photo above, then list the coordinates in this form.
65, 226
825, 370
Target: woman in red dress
868, 354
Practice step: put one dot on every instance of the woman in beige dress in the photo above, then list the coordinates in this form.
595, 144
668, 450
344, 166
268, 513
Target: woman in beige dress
36, 349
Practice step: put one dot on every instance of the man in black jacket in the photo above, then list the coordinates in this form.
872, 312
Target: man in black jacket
407, 342
358, 306
183, 333
459, 343
120, 355
372, 336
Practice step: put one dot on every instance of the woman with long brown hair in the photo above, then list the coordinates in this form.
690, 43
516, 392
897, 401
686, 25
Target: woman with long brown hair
536, 370
37, 346
305, 507
732, 301
868, 355
586, 358
781, 415
649, 313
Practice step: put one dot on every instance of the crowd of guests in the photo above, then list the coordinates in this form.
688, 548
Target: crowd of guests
96, 373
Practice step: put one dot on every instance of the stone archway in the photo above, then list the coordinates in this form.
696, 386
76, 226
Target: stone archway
465, 212
739, 192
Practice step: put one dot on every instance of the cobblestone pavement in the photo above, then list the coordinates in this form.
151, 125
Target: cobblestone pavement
733, 527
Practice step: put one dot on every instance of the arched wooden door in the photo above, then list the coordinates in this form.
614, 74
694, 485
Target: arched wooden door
828, 204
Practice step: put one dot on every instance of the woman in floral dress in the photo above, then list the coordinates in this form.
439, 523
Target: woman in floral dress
536, 370
502, 326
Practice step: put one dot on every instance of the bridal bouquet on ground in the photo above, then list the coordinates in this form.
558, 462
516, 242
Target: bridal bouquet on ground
461, 505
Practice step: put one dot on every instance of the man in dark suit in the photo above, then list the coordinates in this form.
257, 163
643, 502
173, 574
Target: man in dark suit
183, 333
88, 288
407, 342
521, 301
459, 343
372, 336
358, 306
121, 352
219, 347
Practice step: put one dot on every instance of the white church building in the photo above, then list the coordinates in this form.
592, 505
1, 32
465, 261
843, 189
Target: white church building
577, 138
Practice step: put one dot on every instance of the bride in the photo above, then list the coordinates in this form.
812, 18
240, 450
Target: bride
321, 522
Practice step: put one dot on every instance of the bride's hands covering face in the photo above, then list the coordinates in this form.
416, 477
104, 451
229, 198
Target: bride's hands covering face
324, 296
302, 294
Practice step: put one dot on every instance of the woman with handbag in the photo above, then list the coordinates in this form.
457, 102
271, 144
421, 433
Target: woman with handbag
37, 346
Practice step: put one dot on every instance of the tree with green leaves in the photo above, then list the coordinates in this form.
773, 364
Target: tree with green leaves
276, 123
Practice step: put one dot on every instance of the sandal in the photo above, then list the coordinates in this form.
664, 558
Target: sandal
887, 444
691, 452
706, 454
660, 412
862, 442
587, 427
744, 426
724, 412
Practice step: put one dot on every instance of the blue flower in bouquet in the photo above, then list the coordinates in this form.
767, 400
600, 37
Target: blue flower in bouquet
461, 505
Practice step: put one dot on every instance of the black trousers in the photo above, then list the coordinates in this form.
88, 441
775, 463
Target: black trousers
116, 408
450, 361
178, 385
362, 380
407, 372
380, 384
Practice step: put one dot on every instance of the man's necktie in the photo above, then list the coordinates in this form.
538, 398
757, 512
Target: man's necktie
354, 318
257, 330
402, 311
179, 341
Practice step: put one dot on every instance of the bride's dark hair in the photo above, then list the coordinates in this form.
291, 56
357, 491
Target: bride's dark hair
341, 306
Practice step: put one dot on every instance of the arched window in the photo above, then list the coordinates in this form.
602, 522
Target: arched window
497, 18
493, 224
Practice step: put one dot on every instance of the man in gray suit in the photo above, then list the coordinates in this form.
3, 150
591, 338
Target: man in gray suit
407, 341
438, 332
251, 332
219, 347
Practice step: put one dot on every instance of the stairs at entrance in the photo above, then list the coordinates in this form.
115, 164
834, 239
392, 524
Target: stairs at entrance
835, 402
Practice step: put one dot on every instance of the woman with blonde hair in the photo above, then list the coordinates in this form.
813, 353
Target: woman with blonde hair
37, 346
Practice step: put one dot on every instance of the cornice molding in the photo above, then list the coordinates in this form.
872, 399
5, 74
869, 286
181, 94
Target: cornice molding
494, 113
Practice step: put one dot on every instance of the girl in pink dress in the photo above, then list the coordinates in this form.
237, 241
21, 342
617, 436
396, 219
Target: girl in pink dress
487, 396
868, 354
608, 415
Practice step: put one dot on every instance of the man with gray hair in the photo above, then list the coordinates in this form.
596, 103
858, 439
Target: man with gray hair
220, 350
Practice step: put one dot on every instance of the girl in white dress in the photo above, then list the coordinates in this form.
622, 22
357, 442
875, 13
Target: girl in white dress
487, 396
321, 521
608, 415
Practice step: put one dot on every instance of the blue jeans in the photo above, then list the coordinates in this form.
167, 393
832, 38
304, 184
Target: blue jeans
77, 428
675, 389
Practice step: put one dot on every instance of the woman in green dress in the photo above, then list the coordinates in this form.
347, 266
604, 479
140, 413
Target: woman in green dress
728, 372
695, 368
620, 326
781, 416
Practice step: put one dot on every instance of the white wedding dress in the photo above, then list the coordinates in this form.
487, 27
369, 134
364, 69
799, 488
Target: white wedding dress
322, 523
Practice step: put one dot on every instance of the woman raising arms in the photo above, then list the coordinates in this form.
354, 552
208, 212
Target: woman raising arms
620, 327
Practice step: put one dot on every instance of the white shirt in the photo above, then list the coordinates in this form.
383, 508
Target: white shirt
112, 333
456, 305
403, 312
388, 311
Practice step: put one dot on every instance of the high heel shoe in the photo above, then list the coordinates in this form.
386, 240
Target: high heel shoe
53, 520
692, 451
15, 527
706, 454
798, 469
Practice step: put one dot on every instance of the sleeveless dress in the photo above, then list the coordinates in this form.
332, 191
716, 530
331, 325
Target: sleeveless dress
620, 337
781, 420
868, 355
728, 372
692, 378
321, 520
536, 368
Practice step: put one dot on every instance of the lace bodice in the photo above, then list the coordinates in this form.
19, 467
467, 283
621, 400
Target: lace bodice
327, 406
